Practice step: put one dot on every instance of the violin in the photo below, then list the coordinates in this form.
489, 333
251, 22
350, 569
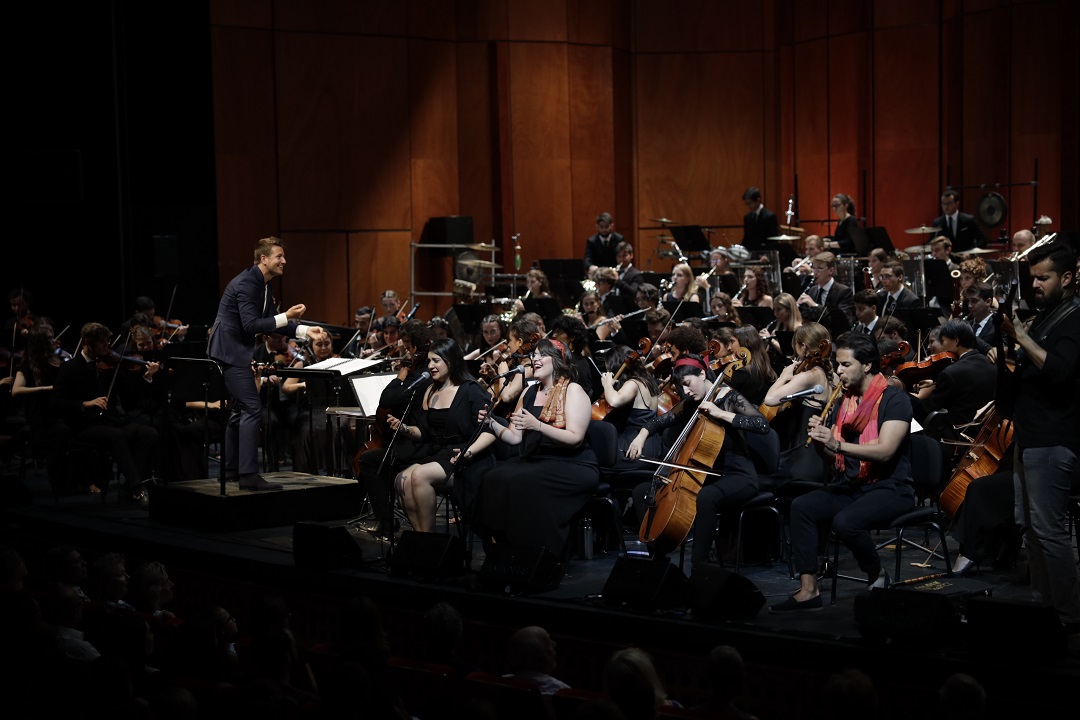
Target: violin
912, 373
661, 364
135, 362
682, 474
164, 331
602, 407
813, 359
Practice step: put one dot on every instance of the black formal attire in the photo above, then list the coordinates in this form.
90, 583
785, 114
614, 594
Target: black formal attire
966, 235
281, 412
852, 506
986, 526
131, 445
194, 429
962, 388
48, 435
600, 251
739, 481
531, 499
758, 228
629, 281
986, 332
839, 307
1047, 437
905, 300
245, 310
842, 234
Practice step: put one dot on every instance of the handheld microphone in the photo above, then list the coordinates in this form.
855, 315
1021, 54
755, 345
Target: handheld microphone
424, 377
817, 389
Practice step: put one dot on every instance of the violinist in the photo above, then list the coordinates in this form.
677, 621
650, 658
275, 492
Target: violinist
279, 411
17, 327
386, 336
894, 329
523, 331
441, 424
866, 440
531, 499
33, 387
492, 333
81, 401
754, 380
309, 439
636, 392
656, 320
362, 326
1047, 425
143, 315
734, 412
376, 454
809, 338
962, 388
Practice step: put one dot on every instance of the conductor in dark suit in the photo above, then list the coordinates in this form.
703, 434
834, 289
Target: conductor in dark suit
897, 296
600, 248
959, 227
964, 387
826, 294
247, 309
759, 224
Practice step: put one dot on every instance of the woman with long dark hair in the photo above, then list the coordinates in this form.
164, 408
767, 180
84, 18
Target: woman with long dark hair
635, 395
443, 424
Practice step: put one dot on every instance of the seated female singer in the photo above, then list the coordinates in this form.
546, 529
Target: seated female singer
442, 425
531, 499
730, 409
869, 446
636, 393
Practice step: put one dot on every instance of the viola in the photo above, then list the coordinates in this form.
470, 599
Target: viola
915, 372
602, 407
681, 476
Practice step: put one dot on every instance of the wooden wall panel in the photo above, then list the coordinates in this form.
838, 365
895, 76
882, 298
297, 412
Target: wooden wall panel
811, 100
849, 116
343, 132
317, 275
592, 139
477, 167
434, 19
433, 132
536, 20
540, 129
244, 144
905, 130
591, 22
625, 157
481, 20
242, 13
890, 14
375, 264
350, 17
697, 148
811, 19
698, 26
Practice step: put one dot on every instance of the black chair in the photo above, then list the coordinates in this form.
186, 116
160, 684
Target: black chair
603, 438
926, 473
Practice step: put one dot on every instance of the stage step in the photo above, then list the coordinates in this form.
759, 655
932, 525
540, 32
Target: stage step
199, 504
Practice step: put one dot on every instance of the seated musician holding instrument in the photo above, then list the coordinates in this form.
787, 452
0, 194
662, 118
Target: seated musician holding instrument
531, 499
869, 445
812, 368
442, 423
492, 334
754, 380
593, 315
961, 388
635, 391
523, 331
730, 410
722, 309
647, 296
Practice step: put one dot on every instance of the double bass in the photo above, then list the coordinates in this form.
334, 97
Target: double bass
682, 474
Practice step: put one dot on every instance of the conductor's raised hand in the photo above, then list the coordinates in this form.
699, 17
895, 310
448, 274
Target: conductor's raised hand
295, 311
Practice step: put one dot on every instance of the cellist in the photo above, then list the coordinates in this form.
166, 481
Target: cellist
734, 413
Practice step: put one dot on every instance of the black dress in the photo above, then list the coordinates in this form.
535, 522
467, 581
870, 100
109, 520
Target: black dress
531, 499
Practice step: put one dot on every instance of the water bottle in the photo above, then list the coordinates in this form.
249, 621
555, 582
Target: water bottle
585, 538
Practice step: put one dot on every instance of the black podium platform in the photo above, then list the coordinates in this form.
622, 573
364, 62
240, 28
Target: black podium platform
198, 503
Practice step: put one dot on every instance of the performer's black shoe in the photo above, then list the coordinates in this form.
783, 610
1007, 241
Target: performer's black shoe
256, 482
793, 605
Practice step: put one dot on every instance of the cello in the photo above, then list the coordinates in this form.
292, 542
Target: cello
682, 474
602, 407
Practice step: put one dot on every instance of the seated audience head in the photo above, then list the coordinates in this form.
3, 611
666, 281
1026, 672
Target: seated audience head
531, 649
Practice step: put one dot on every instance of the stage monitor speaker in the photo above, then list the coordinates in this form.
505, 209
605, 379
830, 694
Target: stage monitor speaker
325, 545
719, 593
1017, 627
428, 555
520, 569
905, 617
646, 584
454, 231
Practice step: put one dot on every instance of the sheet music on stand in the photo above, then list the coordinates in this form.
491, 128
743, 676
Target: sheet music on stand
368, 389
345, 366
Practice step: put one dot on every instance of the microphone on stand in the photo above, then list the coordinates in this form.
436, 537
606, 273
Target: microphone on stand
411, 313
816, 390
424, 377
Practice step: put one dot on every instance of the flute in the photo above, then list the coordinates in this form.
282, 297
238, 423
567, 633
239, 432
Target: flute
828, 406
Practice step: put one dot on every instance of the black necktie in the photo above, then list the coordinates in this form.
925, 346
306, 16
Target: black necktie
890, 305
815, 294
952, 227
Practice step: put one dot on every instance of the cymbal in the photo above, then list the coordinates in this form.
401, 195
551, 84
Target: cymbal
783, 237
922, 230
484, 248
662, 221
917, 249
792, 228
470, 262
975, 251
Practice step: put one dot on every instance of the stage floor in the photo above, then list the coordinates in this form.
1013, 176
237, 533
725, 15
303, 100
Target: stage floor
806, 643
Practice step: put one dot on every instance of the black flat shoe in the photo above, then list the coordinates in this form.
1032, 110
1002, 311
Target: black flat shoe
256, 482
792, 605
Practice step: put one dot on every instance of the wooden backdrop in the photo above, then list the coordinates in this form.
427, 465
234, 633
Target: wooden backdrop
343, 125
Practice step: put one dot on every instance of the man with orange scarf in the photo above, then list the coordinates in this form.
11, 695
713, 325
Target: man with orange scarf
868, 443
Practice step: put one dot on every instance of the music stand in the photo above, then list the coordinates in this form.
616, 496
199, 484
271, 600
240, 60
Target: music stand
759, 317
680, 312
321, 384
653, 278
860, 237
205, 373
879, 238
367, 389
690, 239
472, 316
939, 282
564, 278
546, 307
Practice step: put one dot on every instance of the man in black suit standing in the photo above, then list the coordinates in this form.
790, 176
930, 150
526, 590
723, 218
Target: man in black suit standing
600, 248
959, 227
827, 294
964, 387
897, 297
246, 310
759, 224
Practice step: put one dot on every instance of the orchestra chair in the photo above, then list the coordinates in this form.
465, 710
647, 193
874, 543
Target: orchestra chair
926, 474
603, 438
566, 702
511, 697
427, 688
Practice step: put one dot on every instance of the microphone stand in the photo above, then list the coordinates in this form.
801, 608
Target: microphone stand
382, 466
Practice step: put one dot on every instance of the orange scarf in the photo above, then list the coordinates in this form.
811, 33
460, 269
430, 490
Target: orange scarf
554, 412
861, 417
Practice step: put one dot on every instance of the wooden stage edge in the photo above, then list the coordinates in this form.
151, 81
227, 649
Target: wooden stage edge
200, 504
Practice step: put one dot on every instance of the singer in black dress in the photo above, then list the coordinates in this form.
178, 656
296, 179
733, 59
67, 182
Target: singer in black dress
444, 424
531, 499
